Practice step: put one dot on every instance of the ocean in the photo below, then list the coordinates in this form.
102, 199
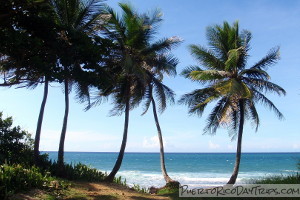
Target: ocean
208, 169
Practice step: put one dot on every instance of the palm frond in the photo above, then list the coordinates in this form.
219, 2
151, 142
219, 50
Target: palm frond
163, 64
264, 86
115, 27
161, 46
90, 15
147, 97
206, 57
233, 126
255, 73
198, 99
163, 95
82, 93
234, 57
259, 97
271, 58
209, 76
246, 38
253, 113
224, 38
188, 70
233, 87
213, 121
152, 22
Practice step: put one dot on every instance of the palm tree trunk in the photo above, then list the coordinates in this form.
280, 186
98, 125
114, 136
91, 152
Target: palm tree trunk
161, 145
118, 163
234, 175
36, 151
60, 160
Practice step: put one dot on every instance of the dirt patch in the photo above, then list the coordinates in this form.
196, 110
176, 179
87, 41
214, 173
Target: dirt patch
111, 191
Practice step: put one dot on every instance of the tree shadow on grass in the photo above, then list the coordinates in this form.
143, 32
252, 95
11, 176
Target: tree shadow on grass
96, 197
105, 197
76, 198
141, 198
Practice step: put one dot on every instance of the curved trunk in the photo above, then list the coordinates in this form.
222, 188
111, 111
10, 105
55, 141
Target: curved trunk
118, 163
234, 175
161, 145
60, 160
36, 151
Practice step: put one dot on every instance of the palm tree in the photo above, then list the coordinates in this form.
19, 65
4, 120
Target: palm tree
161, 62
76, 19
227, 80
134, 59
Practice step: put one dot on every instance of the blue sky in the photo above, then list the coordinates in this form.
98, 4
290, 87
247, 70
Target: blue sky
272, 23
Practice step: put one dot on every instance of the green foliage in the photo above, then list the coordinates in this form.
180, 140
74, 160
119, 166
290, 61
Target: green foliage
118, 180
168, 191
16, 178
289, 179
80, 172
138, 188
228, 81
15, 144
25, 49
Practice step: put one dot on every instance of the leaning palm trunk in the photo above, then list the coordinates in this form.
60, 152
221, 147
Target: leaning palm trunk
60, 160
118, 163
162, 154
36, 151
234, 175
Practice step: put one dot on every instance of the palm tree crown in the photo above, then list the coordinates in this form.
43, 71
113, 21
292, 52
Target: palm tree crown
228, 80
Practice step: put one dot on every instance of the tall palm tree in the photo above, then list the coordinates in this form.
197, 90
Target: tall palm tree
75, 18
160, 62
132, 34
236, 88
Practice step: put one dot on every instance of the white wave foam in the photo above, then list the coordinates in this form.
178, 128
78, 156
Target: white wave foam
146, 179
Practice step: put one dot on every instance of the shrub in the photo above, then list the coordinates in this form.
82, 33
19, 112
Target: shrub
15, 144
16, 178
79, 171
279, 179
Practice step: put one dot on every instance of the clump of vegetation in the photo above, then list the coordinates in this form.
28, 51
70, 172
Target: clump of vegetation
169, 189
15, 144
140, 189
281, 179
118, 180
16, 178
79, 171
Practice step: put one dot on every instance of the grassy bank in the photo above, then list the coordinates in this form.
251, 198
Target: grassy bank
83, 190
88, 191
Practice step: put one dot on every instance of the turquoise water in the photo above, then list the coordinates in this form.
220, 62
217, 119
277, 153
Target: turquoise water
188, 168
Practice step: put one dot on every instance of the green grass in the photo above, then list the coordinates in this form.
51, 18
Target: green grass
290, 179
16, 178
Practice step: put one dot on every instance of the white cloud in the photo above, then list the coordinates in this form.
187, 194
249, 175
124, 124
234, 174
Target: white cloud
296, 146
151, 142
213, 145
